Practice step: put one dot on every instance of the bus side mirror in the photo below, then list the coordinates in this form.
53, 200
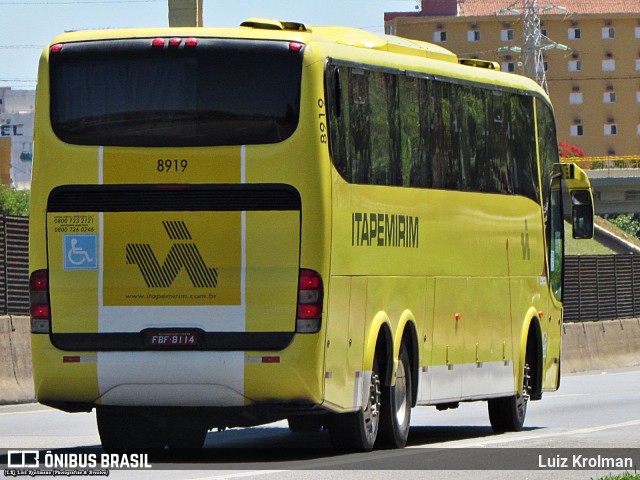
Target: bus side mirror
582, 221
582, 214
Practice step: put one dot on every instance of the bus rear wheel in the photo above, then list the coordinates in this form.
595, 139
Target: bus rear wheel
126, 429
183, 432
359, 430
395, 413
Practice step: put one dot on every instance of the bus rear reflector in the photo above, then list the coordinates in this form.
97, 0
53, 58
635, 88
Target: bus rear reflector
39, 307
310, 297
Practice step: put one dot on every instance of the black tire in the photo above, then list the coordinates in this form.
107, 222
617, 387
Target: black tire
507, 414
184, 433
305, 423
395, 411
125, 429
359, 430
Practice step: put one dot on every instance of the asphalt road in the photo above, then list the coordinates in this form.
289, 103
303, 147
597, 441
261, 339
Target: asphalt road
590, 413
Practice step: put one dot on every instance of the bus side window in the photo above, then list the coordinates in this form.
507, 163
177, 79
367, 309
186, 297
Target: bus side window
548, 146
555, 239
339, 131
359, 126
411, 125
336, 92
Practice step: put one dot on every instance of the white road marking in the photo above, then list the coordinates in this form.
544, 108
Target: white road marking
29, 412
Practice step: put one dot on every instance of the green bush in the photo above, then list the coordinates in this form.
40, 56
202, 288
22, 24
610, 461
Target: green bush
14, 202
629, 223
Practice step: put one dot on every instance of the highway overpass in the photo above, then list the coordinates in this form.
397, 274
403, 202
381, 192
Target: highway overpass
616, 190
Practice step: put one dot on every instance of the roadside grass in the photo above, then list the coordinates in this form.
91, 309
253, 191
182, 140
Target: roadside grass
623, 476
583, 247
591, 247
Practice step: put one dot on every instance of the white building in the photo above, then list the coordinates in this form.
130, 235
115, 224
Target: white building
16, 136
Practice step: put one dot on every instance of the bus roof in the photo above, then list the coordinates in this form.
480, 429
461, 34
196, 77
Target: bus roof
290, 30
261, 28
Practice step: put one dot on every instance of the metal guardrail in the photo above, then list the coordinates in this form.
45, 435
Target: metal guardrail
14, 265
597, 163
601, 287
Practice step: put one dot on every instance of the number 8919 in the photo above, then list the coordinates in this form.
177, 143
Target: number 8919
172, 165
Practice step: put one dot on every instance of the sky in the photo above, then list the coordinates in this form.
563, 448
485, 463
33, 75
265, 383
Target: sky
27, 26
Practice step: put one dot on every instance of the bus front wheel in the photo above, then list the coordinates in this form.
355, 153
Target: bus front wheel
507, 414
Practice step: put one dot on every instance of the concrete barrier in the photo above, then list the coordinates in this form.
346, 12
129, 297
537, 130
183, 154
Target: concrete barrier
16, 373
600, 345
585, 346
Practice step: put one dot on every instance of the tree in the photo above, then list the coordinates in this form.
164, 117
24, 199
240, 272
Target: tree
14, 202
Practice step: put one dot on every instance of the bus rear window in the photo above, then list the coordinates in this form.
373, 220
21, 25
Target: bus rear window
128, 93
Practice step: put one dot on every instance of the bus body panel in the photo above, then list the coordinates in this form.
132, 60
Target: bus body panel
469, 352
553, 342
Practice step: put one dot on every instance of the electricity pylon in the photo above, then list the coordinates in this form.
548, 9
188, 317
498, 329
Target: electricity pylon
532, 59
534, 42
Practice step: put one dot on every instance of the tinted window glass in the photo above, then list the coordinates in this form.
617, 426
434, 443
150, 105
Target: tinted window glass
395, 129
548, 144
222, 92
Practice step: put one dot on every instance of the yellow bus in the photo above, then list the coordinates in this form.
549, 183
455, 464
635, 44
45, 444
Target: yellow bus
235, 226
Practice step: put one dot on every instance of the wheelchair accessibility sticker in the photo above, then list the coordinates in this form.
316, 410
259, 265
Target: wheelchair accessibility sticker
80, 252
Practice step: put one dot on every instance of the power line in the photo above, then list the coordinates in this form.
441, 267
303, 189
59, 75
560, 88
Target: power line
7, 47
75, 2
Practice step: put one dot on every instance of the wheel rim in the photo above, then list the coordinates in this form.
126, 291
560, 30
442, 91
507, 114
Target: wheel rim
400, 394
523, 398
372, 412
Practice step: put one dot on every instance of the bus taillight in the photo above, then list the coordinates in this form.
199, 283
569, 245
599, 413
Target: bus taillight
39, 302
310, 296
295, 46
174, 42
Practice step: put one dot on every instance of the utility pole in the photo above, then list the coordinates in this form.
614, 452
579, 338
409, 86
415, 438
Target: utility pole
185, 13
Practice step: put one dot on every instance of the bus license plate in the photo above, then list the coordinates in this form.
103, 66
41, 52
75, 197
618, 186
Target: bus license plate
174, 338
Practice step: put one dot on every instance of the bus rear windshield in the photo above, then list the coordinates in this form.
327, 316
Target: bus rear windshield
221, 92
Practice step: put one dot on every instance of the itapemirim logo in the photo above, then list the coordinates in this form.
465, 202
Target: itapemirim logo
183, 254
